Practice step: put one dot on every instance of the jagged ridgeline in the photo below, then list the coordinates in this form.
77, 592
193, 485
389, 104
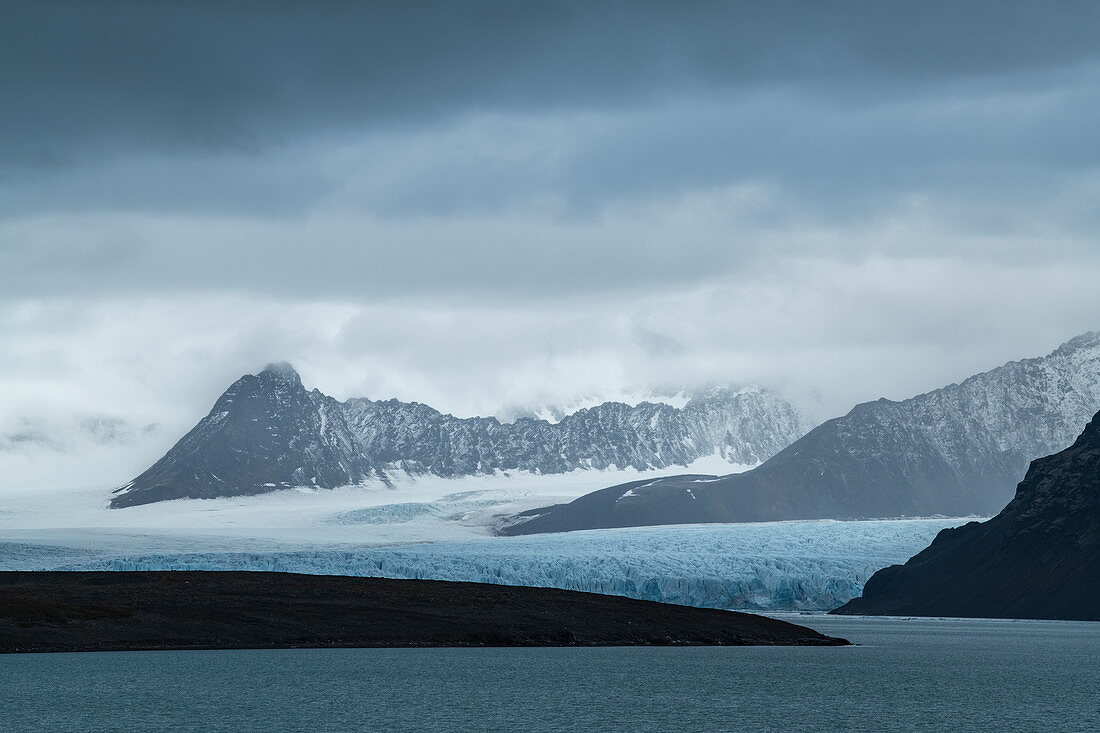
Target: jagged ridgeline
269, 432
955, 451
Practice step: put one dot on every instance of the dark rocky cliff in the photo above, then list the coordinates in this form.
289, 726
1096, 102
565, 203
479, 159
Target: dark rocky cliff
1038, 558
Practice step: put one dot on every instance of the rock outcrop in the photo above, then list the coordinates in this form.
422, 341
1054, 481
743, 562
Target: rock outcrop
1038, 558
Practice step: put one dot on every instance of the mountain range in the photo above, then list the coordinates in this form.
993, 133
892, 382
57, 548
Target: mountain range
1038, 558
268, 432
955, 451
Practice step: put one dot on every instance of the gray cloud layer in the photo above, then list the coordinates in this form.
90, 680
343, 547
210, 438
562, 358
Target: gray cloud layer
471, 203
90, 76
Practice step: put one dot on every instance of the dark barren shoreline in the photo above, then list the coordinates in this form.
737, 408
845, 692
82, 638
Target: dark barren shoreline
117, 611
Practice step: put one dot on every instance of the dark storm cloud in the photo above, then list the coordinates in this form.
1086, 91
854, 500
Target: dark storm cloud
86, 79
507, 152
484, 204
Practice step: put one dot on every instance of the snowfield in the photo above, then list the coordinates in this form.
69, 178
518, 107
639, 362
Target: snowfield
472, 503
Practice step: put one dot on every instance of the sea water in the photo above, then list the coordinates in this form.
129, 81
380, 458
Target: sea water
903, 675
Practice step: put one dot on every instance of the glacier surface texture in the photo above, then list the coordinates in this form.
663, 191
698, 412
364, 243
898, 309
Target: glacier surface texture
765, 566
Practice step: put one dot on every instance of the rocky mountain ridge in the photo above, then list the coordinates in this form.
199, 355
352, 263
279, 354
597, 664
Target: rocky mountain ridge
267, 432
955, 451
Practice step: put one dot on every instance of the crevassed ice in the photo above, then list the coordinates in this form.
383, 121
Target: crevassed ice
766, 566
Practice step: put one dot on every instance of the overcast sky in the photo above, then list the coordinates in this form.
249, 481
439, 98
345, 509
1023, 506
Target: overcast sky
477, 204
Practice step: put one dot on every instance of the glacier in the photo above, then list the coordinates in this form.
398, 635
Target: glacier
773, 566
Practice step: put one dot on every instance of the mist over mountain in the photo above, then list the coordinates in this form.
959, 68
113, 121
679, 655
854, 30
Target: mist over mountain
49, 451
72, 433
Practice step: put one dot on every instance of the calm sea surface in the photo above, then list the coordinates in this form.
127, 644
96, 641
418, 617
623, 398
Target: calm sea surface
928, 675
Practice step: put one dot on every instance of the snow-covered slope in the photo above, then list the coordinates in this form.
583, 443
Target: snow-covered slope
776, 566
954, 451
269, 432
554, 412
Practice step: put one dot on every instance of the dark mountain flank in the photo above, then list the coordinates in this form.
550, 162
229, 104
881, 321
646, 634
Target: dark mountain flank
955, 451
105, 611
269, 432
266, 431
1039, 558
